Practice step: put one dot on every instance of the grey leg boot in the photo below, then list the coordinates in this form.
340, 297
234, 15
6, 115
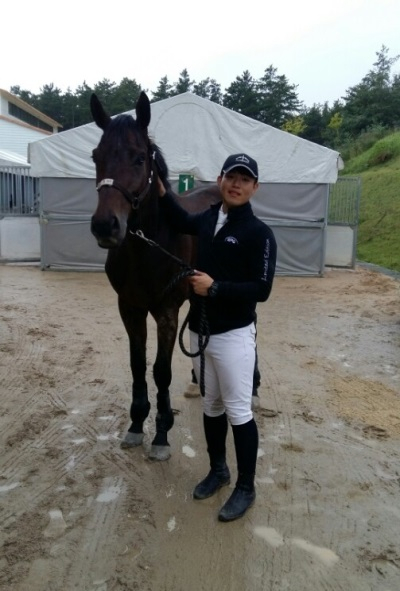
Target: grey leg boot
244, 494
215, 429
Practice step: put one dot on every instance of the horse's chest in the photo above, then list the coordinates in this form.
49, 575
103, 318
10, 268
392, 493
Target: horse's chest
140, 282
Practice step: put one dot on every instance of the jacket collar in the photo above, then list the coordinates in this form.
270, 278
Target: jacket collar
235, 212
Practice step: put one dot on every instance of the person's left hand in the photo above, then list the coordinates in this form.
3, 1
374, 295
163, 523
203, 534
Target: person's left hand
200, 283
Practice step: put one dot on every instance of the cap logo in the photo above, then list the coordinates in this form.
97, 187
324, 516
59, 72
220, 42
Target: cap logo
243, 159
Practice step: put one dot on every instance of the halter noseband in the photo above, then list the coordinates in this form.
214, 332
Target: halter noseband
133, 200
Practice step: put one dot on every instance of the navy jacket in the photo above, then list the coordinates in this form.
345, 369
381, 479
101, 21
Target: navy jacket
241, 257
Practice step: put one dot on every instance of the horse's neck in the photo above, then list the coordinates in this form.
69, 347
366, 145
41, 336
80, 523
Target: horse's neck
149, 219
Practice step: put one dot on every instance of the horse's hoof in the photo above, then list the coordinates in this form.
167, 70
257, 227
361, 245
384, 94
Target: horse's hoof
255, 403
192, 391
132, 440
160, 452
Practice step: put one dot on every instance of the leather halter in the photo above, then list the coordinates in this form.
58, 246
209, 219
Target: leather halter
133, 200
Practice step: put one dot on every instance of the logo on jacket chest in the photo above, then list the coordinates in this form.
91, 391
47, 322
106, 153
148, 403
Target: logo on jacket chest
231, 240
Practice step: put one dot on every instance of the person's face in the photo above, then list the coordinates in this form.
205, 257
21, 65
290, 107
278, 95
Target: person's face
237, 187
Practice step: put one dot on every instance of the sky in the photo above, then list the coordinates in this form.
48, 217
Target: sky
323, 48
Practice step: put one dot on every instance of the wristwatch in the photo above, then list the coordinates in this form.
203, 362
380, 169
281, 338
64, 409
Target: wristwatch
212, 290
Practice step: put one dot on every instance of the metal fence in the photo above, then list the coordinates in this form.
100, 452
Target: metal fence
19, 195
19, 191
344, 201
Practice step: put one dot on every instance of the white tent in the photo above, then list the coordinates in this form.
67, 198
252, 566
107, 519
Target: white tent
8, 158
195, 136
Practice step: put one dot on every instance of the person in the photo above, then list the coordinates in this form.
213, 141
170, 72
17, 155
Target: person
235, 268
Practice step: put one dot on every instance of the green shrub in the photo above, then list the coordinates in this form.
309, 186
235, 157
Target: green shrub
379, 217
380, 153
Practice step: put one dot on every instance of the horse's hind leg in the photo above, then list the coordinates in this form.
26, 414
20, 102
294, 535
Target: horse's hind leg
167, 324
135, 324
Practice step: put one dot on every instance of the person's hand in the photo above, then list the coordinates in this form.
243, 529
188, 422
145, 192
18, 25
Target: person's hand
161, 188
200, 283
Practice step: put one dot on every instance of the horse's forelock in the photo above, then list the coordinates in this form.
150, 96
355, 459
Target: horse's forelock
121, 125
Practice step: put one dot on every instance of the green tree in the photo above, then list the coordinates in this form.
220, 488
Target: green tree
184, 83
125, 95
49, 102
209, 89
277, 98
82, 112
295, 126
24, 95
69, 109
334, 126
242, 95
105, 90
372, 102
313, 124
164, 90
396, 101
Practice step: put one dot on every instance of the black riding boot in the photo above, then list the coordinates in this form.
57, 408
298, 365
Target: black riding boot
215, 429
244, 494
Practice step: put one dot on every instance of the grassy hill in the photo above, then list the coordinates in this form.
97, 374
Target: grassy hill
379, 226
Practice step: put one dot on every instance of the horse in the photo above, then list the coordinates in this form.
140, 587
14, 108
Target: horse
145, 255
128, 222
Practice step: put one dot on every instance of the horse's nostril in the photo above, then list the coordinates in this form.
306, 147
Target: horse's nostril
114, 224
105, 228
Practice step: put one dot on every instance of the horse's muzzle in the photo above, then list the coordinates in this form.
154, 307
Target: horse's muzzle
107, 232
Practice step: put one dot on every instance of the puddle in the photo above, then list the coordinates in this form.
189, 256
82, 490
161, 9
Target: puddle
7, 487
109, 494
171, 524
57, 525
266, 480
275, 539
71, 463
323, 554
270, 535
188, 451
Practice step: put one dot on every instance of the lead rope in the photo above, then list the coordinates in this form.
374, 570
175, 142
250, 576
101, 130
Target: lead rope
204, 329
203, 338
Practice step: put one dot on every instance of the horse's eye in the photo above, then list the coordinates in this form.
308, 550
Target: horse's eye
139, 160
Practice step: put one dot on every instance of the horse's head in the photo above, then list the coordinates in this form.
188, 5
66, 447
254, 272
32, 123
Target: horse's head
126, 170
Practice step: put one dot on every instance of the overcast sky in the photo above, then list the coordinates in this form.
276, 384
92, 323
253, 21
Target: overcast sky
322, 47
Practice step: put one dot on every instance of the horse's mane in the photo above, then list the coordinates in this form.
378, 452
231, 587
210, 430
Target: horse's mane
162, 167
124, 123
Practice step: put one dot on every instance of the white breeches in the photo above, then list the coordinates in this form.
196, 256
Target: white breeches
228, 376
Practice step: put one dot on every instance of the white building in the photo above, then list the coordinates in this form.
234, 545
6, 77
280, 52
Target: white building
20, 124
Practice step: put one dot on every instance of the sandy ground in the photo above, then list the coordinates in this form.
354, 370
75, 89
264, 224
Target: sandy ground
77, 512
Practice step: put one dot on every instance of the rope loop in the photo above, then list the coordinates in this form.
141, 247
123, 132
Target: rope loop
204, 329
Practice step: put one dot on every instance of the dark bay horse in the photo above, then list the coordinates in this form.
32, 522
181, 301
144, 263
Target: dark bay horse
128, 165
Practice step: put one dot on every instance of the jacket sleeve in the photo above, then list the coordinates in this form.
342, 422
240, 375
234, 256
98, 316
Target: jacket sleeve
262, 264
177, 217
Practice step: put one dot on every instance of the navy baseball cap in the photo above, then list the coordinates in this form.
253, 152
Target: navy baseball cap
240, 161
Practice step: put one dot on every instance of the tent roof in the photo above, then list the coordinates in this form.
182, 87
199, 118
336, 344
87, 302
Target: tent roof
8, 158
195, 136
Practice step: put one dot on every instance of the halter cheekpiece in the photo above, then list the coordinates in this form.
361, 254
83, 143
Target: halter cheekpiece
133, 200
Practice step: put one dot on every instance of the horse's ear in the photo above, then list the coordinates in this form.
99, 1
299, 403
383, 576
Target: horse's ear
143, 110
101, 118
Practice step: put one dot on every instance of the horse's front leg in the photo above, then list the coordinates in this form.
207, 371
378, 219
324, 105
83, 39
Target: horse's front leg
134, 320
167, 324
